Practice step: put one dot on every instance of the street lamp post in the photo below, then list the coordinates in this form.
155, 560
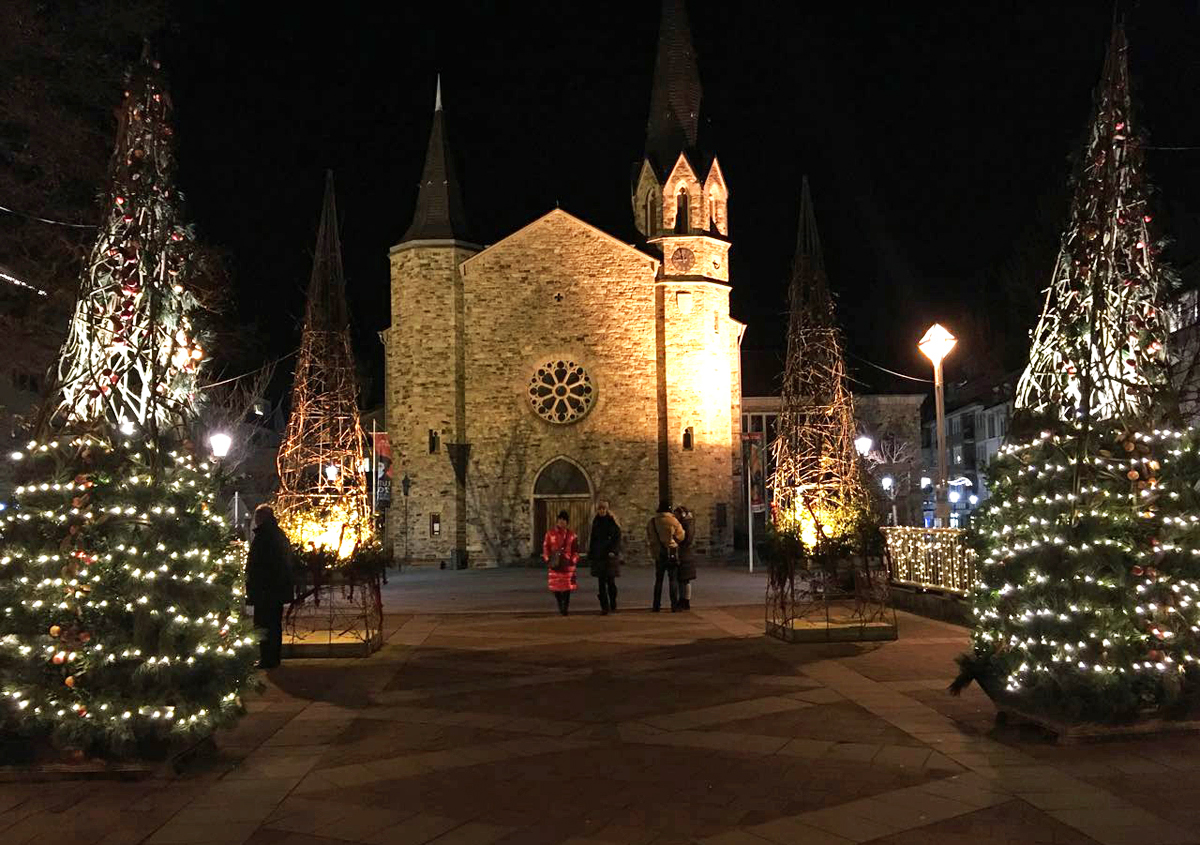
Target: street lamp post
220, 442
889, 487
936, 345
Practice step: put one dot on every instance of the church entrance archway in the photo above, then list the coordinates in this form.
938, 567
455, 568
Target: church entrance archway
561, 485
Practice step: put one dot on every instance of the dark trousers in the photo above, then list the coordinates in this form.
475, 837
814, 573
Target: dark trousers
608, 592
563, 598
269, 617
661, 567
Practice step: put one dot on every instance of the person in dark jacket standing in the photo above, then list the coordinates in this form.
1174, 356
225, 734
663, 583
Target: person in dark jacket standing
269, 583
687, 563
604, 555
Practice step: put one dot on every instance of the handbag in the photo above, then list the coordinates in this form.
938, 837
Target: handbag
557, 562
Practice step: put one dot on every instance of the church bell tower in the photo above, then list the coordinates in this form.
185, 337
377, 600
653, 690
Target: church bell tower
680, 200
681, 207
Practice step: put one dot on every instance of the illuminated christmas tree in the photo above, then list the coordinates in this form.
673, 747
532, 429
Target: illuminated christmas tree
322, 499
817, 483
120, 593
1090, 577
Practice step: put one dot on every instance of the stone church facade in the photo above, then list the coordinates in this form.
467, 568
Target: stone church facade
561, 365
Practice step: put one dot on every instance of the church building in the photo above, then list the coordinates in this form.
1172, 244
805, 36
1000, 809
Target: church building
561, 365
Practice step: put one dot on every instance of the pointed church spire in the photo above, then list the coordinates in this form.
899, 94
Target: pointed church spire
327, 288
675, 96
439, 214
809, 289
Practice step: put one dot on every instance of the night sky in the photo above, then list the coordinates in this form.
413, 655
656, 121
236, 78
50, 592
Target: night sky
932, 134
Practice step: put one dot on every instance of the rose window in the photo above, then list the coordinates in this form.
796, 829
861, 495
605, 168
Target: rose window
560, 391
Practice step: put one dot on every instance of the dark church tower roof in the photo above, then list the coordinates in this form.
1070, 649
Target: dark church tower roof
439, 214
675, 97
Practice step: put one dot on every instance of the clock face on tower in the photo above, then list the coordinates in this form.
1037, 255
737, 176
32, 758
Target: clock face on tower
683, 259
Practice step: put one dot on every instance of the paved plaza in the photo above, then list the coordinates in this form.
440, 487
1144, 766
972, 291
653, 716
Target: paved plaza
474, 726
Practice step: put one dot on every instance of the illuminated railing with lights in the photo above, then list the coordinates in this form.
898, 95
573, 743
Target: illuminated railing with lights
931, 558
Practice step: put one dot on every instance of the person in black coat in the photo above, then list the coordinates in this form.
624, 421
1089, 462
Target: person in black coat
269, 583
604, 555
687, 563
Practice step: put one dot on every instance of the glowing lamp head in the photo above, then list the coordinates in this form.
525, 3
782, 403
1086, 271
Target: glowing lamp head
126, 427
886, 482
863, 444
332, 472
926, 481
973, 499
937, 343
954, 496
219, 442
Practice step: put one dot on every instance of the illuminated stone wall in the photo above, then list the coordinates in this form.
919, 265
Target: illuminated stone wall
558, 289
422, 394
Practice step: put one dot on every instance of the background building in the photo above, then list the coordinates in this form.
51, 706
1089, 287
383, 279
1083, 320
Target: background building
562, 364
978, 413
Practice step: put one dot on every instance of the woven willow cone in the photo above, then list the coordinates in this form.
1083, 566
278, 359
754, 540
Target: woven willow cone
322, 498
817, 479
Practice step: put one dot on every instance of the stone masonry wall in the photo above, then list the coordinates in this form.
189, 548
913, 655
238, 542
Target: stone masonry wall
699, 376
421, 396
559, 288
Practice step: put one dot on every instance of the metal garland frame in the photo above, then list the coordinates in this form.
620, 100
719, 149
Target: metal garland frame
335, 618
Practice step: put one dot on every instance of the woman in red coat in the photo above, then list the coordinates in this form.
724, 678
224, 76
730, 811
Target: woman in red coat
560, 550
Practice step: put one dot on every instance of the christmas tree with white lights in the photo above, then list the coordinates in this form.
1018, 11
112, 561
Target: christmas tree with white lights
1089, 603
120, 596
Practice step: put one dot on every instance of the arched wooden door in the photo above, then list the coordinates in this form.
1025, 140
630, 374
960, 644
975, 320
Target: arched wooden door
561, 486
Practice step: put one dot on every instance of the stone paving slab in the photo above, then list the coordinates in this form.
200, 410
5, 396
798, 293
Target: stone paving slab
525, 727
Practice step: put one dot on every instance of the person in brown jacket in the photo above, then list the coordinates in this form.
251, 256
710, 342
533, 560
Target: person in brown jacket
663, 536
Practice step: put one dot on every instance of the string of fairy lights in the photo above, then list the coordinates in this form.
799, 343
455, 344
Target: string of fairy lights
63, 594
1134, 607
931, 558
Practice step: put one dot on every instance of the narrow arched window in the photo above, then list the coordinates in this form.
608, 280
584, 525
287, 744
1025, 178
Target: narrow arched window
651, 226
689, 439
683, 218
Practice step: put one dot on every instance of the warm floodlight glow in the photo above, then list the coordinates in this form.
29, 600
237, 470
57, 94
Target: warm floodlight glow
219, 442
937, 343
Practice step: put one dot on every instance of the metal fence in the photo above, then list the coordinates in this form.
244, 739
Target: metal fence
931, 558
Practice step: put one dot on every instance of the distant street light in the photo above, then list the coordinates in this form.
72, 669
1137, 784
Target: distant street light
954, 496
887, 482
332, 472
936, 345
863, 444
219, 442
